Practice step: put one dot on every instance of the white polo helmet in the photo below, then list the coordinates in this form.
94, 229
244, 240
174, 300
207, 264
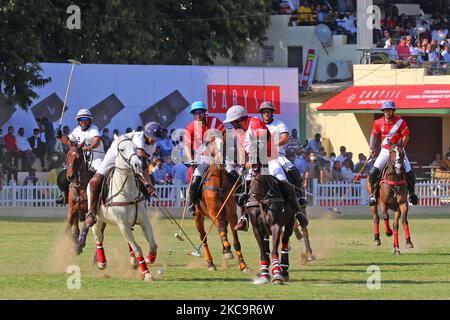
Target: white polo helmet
235, 113
84, 113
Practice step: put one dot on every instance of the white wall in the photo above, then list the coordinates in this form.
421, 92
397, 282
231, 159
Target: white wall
281, 36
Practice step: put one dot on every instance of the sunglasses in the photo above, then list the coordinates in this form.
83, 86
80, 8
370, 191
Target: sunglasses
84, 119
197, 112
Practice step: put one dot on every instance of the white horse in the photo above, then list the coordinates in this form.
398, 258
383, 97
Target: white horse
126, 206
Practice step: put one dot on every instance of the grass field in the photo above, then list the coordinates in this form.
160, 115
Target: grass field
33, 264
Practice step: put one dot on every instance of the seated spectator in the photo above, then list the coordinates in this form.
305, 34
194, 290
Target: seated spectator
347, 172
397, 35
362, 160
160, 173
337, 172
165, 144
293, 142
403, 50
350, 159
168, 165
327, 172
30, 178
322, 13
332, 159
38, 147
445, 54
433, 58
447, 159
438, 162
315, 144
387, 40
305, 14
422, 54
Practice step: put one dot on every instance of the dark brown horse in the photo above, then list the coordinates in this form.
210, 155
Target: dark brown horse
78, 177
392, 194
270, 216
215, 190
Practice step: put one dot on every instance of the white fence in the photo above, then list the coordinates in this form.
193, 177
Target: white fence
431, 193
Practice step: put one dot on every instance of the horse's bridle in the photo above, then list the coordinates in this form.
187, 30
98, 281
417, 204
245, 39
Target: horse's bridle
125, 159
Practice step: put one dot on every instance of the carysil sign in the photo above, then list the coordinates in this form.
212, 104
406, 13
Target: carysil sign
221, 97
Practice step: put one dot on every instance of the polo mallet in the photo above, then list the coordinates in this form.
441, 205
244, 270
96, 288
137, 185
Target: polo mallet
178, 235
335, 209
73, 62
218, 213
166, 212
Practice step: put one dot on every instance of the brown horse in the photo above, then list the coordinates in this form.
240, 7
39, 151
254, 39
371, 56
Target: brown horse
78, 177
215, 191
393, 194
270, 215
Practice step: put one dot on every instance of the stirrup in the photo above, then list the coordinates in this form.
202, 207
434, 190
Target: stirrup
242, 224
191, 209
61, 199
372, 201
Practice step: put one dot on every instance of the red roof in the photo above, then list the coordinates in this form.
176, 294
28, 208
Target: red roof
435, 96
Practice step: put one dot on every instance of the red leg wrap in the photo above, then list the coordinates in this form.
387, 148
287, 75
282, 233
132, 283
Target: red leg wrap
100, 254
151, 257
396, 238
406, 228
142, 264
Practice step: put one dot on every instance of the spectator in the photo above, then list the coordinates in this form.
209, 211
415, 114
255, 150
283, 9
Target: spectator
337, 172
350, 158
30, 178
300, 162
403, 50
343, 155
168, 165
64, 147
159, 173
447, 159
397, 35
180, 174
314, 171
347, 172
9, 169
445, 54
327, 172
345, 6
362, 160
305, 14
115, 133
293, 142
322, 13
38, 147
2, 145
165, 144
315, 144
387, 40
332, 159
432, 55
438, 162
11, 152
49, 133
106, 139
128, 130
139, 128
422, 54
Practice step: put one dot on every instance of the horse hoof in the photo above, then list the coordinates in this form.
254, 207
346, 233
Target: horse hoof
310, 257
101, 266
79, 250
134, 263
396, 251
277, 279
285, 276
377, 242
246, 270
228, 256
389, 233
261, 280
148, 278
212, 267
409, 244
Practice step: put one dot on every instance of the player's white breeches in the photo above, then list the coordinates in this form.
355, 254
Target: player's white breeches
383, 158
108, 162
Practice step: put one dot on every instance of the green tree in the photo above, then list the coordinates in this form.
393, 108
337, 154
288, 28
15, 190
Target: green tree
121, 31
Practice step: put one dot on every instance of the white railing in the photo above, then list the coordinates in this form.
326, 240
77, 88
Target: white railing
431, 193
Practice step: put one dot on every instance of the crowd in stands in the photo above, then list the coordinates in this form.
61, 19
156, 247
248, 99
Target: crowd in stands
339, 15
415, 39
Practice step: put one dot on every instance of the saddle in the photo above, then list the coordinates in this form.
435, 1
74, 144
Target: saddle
266, 196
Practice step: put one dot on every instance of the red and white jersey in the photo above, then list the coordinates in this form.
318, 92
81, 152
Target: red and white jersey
254, 129
276, 128
195, 131
394, 131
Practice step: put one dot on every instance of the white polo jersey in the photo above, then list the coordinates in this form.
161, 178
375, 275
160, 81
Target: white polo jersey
78, 136
139, 140
276, 128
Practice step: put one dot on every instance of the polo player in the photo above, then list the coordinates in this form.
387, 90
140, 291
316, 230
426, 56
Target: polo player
88, 133
393, 129
145, 144
249, 131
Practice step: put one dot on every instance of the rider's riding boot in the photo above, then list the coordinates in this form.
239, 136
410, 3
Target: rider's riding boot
95, 186
234, 176
242, 224
373, 180
292, 200
411, 179
193, 194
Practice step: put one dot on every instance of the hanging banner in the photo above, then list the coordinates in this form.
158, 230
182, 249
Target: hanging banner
310, 67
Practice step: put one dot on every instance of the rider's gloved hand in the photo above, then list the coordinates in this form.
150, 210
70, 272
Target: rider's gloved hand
58, 134
193, 163
150, 189
372, 153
